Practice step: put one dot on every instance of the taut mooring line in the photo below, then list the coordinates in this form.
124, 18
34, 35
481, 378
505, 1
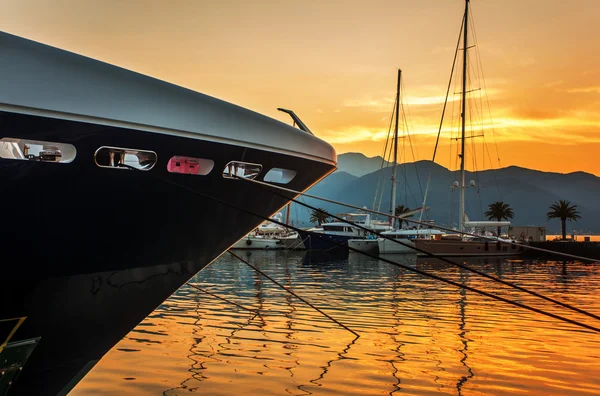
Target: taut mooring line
290, 291
493, 278
426, 274
492, 239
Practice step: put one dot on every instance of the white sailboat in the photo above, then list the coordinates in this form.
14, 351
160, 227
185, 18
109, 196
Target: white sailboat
382, 245
461, 245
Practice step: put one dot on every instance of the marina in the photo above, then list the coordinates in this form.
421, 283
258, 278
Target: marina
160, 240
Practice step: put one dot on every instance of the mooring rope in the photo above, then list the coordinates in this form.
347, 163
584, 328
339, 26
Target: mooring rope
290, 291
492, 239
444, 259
423, 273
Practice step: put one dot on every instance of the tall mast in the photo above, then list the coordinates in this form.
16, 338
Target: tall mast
461, 210
394, 166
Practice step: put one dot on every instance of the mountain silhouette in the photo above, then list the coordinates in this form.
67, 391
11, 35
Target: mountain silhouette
528, 192
358, 164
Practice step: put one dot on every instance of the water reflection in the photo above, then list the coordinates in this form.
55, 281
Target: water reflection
417, 336
462, 303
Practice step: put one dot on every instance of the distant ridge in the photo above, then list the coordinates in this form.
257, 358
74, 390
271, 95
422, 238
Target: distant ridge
358, 164
529, 192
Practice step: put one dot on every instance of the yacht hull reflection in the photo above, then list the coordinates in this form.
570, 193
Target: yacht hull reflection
79, 318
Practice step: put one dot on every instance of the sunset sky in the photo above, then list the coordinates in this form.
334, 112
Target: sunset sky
334, 63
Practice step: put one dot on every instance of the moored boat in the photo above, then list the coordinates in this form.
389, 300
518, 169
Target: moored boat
335, 235
366, 245
486, 244
405, 239
269, 236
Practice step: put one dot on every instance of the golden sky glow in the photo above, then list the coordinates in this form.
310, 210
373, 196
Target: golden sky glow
334, 63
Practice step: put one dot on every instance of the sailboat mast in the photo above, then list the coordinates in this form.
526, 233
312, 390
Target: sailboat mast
394, 163
287, 214
461, 210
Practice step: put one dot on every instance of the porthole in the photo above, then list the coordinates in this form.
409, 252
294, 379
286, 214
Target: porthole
36, 150
280, 176
124, 158
243, 170
190, 166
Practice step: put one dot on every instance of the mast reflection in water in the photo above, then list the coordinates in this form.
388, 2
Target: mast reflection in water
417, 335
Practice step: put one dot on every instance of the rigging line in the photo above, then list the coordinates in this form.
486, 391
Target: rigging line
437, 140
493, 173
492, 239
479, 69
451, 206
412, 150
223, 299
407, 190
383, 186
480, 65
383, 159
473, 151
442, 279
403, 167
290, 291
386, 156
523, 289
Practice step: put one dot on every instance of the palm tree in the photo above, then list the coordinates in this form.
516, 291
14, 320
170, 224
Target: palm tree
499, 211
401, 209
319, 216
564, 211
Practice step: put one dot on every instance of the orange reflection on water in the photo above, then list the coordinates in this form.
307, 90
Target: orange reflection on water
417, 336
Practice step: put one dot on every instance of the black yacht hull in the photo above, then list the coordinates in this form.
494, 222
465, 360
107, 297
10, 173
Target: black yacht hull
88, 252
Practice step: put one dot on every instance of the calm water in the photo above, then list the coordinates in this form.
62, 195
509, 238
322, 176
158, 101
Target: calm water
417, 336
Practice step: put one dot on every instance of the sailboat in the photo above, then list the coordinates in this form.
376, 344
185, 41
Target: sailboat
371, 244
405, 236
461, 245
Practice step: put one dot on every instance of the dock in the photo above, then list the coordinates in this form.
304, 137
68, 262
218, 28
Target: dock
584, 249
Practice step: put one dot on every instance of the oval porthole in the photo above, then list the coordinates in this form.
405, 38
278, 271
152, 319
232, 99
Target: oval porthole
244, 170
190, 166
280, 176
36, 150
124, 158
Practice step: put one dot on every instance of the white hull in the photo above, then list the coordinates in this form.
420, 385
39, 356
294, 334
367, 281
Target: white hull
293, 242
253, 242
364, 245
386, 246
